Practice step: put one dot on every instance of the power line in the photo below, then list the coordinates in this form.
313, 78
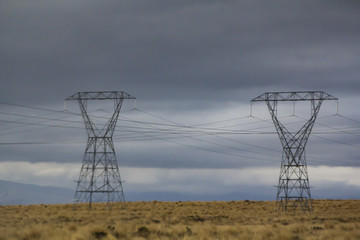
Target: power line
348, 118
337, 141
197, 147
228, 139
162, 131
177, 125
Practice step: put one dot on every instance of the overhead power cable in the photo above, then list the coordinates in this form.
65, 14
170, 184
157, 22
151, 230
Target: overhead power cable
212, 134
147, 130
337, 141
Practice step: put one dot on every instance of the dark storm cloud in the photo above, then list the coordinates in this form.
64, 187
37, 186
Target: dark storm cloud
177, 50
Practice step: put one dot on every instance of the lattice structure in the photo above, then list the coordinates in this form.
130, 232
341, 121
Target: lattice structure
99, 179
293, 190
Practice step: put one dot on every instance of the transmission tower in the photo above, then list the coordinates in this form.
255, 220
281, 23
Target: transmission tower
293, 190
99, 179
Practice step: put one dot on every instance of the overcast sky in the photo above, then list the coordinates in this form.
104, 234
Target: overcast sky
188, 63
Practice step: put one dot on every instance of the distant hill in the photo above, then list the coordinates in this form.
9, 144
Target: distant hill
12, 193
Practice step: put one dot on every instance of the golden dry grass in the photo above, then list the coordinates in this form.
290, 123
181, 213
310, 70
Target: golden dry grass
331, 219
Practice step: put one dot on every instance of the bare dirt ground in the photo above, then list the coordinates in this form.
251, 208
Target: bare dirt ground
330, 219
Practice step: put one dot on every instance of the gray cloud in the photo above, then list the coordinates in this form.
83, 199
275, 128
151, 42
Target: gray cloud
199, 49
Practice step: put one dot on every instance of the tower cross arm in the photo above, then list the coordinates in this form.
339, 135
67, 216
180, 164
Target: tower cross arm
294, 96
104, 95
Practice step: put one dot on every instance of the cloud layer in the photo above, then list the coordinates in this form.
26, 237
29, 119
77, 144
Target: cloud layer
177, 51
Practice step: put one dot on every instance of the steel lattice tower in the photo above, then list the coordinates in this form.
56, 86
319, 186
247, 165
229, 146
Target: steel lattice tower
99, 179
293, 190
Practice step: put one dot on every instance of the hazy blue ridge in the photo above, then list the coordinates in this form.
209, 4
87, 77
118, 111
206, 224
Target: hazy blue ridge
12, 193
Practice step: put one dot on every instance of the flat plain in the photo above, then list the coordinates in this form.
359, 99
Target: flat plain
330, 219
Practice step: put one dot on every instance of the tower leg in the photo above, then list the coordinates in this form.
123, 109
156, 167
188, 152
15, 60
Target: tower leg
99, 179
293, 189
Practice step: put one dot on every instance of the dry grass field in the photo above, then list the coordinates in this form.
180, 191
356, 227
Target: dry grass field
331, 219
